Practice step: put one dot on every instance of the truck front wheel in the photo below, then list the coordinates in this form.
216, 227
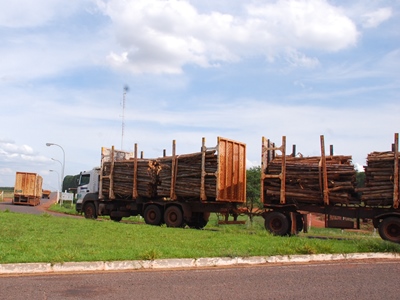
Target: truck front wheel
277, 223
90, 211
389, 229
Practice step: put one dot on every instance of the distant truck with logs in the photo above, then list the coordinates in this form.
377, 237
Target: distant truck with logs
46, 194
181, 190
175, 190
293, 186
27, 188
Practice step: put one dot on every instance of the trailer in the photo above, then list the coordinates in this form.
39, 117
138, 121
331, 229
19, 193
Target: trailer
27, 189
293, 186
175, 190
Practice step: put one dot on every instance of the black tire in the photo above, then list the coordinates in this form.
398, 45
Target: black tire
115, 219
299, 223
90, 211
173, 217
198, 220
389, 229
152, 215
277, 223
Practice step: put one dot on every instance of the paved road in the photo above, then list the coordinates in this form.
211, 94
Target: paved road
27, 209
7, 205
340, 280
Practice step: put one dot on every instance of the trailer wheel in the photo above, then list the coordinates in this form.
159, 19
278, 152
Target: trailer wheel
90, 211
152, 215
198, 220
299, 223
389, 229
277, 223
115, 219
173, 217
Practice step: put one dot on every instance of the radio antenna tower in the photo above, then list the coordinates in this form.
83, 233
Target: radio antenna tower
126, 89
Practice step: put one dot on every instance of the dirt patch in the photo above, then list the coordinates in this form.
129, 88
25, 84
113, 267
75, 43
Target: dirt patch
45, 206
316, 220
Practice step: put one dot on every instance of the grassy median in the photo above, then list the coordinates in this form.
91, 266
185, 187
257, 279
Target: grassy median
45, 238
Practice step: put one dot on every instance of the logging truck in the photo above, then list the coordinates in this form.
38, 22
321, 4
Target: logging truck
293, 186
175, 190
181, 190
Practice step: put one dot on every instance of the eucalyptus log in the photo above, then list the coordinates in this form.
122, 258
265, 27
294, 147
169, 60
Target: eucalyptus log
379, 176
188, 175
303, 180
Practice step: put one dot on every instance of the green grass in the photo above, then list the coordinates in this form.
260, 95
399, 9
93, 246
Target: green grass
45, 238
66, 208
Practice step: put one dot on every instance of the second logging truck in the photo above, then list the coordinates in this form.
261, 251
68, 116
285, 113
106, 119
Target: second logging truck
293, 186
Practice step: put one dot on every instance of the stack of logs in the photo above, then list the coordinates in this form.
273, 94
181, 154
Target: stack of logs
304, 180
123, 178
188, 175
154, 176
379, 179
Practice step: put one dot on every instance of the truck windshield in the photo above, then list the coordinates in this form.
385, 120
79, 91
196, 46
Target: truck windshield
85, 178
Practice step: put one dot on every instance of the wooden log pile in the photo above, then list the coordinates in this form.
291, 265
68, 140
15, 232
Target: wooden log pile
304, 181
154, 177
379, 181
147, 170
188, 175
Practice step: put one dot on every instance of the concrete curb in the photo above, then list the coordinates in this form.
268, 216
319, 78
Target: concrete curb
175, 263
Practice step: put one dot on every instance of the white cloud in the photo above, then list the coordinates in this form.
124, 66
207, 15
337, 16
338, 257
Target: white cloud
375, 18
27, 13
312, 24
14, 153
298, 59
11, 148
18, 158
156, 36
163, 36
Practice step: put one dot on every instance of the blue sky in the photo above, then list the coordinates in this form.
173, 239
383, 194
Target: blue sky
237, 69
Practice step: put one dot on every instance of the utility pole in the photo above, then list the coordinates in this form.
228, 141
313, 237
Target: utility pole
126, 89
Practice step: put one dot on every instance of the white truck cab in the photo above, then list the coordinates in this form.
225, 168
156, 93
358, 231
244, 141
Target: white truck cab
88, 184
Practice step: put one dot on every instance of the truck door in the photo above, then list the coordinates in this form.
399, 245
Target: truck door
88, 183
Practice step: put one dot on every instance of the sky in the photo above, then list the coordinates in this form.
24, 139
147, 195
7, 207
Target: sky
92, 73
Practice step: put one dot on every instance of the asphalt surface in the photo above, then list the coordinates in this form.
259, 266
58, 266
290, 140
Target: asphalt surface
338, 280
35, 210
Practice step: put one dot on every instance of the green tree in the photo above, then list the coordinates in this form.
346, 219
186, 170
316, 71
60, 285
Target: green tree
360, 179
253, 189
70, 182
